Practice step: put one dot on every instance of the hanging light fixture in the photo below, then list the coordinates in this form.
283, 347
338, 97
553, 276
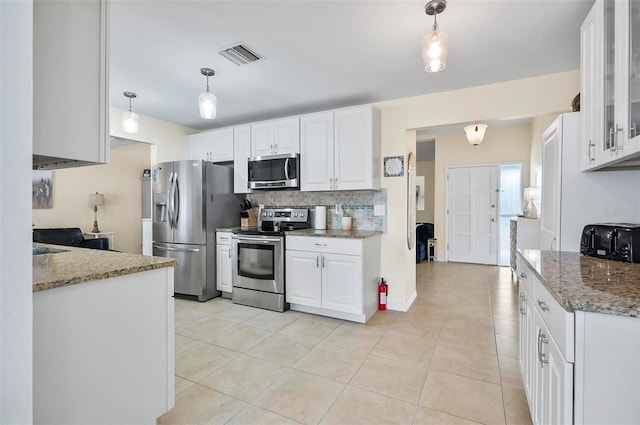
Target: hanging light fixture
129, 118
208, 101
475, 133
435, 45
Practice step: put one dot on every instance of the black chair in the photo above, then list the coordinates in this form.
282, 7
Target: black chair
70, 236
424, 231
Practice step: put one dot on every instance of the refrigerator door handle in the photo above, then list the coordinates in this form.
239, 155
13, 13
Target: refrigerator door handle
176, 197
170, 201
166, 248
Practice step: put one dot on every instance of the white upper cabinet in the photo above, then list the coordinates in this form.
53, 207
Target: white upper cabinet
340, 150
241, 154
214, 146
275, 137
70, 83
610, 85
316, 151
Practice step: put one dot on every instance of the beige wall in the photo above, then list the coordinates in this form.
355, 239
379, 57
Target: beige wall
119, 181
500, 145
169, 139
426, 169
530, 97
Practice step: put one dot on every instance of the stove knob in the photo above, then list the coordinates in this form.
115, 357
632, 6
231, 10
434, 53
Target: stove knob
270, 214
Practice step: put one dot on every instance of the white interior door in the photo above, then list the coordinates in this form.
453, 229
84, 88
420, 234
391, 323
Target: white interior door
472, 231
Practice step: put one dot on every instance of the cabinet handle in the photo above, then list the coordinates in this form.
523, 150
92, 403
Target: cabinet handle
335, 183
591, 145
323, 261
633, 132
610, 144
543, 305
331, 183
317, 261
523, 310
230, 253
320, 244
542, 357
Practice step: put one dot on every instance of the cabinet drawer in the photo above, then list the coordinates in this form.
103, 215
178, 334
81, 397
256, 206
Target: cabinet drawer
320, 244
223, 238
559, 322
525, 275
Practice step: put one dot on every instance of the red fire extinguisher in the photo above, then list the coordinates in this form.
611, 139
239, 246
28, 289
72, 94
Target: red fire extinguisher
382, 295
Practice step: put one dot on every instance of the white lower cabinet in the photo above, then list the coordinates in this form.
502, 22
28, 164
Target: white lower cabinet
223, 262
577, 368
334, 277
546, 352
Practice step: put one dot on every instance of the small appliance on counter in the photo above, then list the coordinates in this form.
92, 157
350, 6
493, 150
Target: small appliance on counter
612, 241
258, 274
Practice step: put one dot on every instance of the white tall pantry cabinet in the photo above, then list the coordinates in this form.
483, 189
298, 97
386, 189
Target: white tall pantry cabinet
571, 198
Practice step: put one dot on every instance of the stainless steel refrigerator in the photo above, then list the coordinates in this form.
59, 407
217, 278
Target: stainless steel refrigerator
190, 200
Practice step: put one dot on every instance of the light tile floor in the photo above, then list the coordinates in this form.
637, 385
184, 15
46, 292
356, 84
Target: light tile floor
451, 359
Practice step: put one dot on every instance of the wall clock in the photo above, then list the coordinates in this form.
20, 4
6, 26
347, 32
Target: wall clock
394, 166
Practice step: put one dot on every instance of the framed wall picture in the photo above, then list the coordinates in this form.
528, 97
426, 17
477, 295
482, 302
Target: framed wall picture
394, 166
42, 189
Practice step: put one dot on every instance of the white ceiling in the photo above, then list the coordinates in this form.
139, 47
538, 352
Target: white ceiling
325, 54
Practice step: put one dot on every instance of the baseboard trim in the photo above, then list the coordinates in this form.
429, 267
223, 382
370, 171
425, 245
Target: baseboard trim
403, 307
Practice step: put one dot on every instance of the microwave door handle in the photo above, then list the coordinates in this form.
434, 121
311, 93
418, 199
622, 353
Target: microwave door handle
286, 169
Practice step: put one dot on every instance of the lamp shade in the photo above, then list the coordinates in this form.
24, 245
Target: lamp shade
532, 193
130, 122
208, 105
475, 133
96, 199
435, 47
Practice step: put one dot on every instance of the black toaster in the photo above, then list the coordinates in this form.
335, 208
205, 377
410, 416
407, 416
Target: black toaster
613, 241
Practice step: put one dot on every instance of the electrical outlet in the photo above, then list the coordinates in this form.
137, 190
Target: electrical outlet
378, 210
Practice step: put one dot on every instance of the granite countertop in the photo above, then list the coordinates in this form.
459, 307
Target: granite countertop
581, 283
329, 233
70, 265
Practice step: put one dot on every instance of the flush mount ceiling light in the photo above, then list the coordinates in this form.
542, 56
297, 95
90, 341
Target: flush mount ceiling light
475, 133
129, 118
208, 101
435, 45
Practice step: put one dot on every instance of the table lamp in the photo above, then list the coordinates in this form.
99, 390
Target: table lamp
96, 199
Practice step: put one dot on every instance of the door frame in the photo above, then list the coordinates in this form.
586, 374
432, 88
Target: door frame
447, 169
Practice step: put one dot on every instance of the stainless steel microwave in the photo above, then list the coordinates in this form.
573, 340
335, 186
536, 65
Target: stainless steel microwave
274, 172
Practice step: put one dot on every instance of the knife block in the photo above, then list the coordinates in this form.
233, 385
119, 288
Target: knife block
250, 221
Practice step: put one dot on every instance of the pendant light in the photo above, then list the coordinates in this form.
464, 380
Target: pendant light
475, 133
435, 45
129, 118
208, 101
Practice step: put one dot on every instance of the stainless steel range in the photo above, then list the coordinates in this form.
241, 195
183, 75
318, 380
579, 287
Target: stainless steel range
258, 258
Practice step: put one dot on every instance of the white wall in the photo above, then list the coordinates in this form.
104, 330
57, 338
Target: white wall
426, 169
530, 97
501, 145
16, 306
119, 181
169, 139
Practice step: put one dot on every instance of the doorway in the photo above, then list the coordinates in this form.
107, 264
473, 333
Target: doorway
481, 200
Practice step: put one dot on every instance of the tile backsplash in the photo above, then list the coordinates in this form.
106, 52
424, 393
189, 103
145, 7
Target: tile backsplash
357, 204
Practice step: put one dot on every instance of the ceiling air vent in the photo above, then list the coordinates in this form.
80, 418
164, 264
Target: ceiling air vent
240, 54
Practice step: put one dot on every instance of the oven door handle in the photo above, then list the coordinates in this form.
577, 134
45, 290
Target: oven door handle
257, 240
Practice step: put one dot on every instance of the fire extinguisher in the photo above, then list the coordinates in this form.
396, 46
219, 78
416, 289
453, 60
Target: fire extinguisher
382, 295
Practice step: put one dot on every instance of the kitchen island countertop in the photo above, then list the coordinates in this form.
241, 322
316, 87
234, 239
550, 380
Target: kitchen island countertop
78, 265
581, 283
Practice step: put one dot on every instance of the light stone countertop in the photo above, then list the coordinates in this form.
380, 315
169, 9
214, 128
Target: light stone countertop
582, 283
329, 233
77, 265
